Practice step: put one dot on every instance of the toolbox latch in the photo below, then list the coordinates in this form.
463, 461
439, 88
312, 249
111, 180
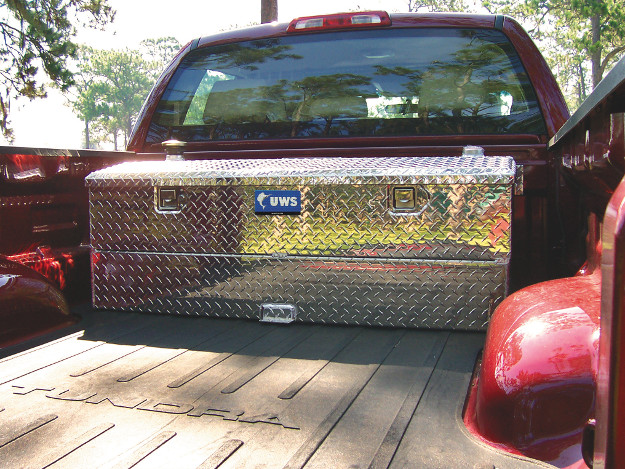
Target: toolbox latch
168, 199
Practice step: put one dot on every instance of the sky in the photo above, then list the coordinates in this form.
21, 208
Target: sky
50, 122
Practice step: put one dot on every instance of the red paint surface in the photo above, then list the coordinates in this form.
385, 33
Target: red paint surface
55, 266
610, 415
23, 168
536, 385
44, 211
30, 305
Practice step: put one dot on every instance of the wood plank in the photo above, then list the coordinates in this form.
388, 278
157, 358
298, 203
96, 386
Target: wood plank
143, 450
69, 446
221, 455
9, 436
364, 426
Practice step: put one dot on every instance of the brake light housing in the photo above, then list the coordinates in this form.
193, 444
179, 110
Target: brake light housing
340, 21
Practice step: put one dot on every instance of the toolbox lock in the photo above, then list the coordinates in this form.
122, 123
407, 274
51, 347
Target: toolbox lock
403, 198
409, 200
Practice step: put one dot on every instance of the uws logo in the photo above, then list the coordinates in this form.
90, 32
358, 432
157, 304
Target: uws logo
277, 201
261, 199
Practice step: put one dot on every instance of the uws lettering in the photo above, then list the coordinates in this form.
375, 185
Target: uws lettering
283, 201
278, 201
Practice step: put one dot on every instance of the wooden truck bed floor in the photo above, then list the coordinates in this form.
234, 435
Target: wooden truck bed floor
134, 390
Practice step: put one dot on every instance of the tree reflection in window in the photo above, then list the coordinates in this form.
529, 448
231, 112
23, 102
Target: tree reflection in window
365, 83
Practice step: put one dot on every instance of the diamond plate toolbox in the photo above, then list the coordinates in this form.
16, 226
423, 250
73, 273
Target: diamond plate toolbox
410, 242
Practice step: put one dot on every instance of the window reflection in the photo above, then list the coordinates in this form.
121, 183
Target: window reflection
365, 83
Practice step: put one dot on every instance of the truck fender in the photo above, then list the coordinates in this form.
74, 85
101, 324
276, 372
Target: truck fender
536, 386
30, 304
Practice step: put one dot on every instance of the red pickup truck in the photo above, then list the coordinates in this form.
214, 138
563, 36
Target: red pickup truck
402, 203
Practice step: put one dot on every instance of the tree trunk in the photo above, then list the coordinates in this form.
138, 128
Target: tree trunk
115, 140
581, 85
268, 11
595, 56
87, 143
127, 131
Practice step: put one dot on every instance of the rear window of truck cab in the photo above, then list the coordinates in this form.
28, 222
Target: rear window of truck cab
365, 83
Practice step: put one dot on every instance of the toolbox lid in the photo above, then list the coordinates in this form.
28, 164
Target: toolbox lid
494, 170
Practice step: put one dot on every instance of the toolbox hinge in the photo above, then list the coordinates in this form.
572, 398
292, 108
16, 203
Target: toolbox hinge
518, 180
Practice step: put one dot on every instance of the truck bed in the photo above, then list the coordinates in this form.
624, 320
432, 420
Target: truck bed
133, 390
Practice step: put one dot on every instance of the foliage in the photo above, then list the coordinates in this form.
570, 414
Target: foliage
158, 52
84, 102
581, 39
111, 86
118, 85
37, 35
437, 5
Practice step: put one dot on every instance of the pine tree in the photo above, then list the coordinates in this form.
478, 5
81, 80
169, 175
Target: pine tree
38, 38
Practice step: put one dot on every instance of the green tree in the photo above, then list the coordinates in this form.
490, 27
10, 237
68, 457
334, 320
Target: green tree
111, 85
582, 39
437, 5
83, 94
158, 52
38, 37
120, 87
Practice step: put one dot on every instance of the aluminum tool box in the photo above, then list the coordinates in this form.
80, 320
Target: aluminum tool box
416, 242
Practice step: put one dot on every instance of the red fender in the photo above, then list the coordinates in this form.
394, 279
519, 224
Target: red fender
536, 387
30, 304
